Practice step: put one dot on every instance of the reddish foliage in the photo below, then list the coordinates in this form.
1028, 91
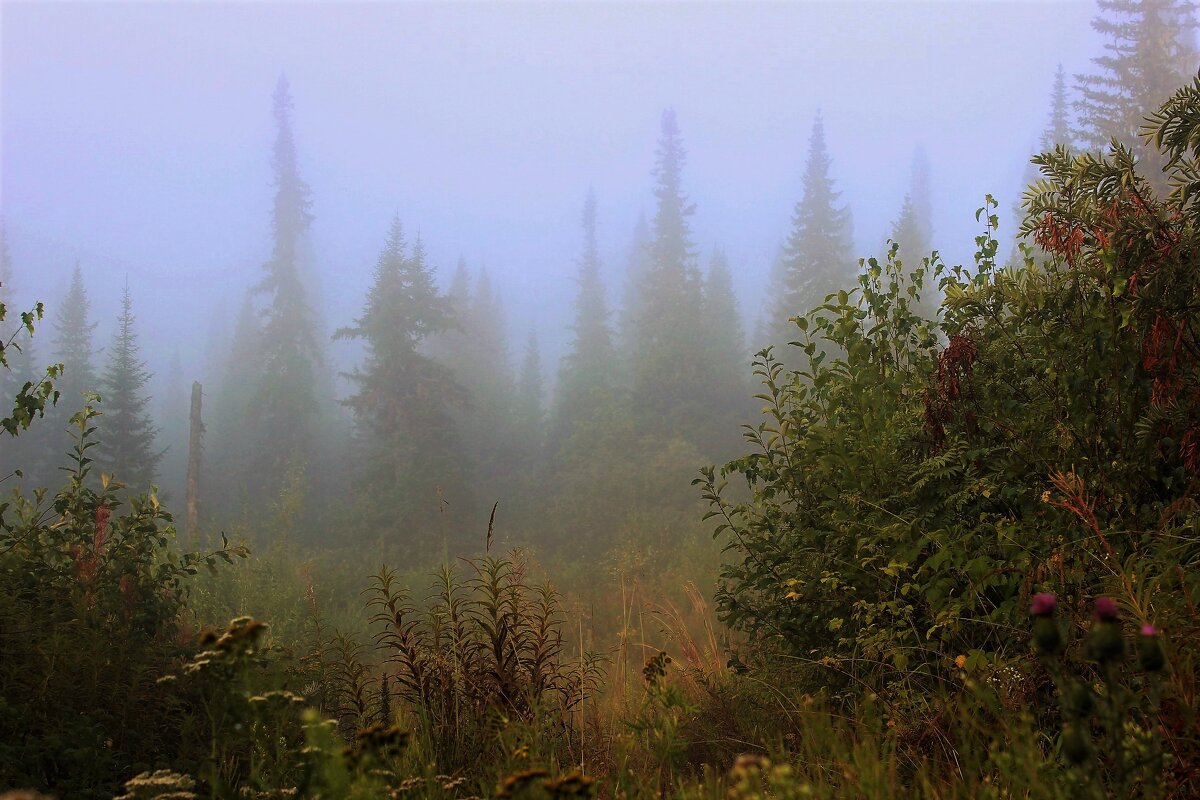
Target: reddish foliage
1063, 239
953, 367
1189, 449
86, 566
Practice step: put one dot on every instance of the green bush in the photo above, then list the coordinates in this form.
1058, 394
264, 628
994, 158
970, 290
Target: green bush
915, 484
91, 594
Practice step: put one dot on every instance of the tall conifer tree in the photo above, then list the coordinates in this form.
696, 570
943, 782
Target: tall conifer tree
231, 436
1149, 54
405, 433
637, 268
1058, 131
1058, 124
727, 356
912, 232
588, 371
72, 342
126, 448
487, 340
285, 408
818, 257
173, 425
530, 401
668, 368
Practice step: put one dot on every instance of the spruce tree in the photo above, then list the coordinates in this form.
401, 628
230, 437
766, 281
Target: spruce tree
285, 407
1058, 125
637, 268
818, 256
530, 401
912, 234
487, 423
173, 425
487, 343
1150, 53
668, 368
231, 438
766, 329
407, 457
588, 370
1058, 131
449, 347
727, 356
73, 344
459, 293
126, 447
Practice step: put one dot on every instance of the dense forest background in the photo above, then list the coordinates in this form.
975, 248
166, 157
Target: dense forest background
890, 428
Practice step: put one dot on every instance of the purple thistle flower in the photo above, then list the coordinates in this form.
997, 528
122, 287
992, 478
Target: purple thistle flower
1043, 604
1105, 609
1150, 652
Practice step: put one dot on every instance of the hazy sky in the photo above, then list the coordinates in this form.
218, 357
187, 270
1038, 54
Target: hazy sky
136, 137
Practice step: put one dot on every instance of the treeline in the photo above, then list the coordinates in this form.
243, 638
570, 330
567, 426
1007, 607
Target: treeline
448, 412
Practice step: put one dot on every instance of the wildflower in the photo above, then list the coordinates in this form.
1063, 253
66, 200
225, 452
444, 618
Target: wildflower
1043, 604
1105, 610
1105, 642
1046, 636
1150, 653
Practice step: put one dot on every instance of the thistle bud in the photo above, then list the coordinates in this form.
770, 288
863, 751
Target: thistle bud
1047, 638
1105, 642
1150, 653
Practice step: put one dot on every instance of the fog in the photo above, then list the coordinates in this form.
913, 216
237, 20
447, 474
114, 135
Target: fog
136, 137
599, 400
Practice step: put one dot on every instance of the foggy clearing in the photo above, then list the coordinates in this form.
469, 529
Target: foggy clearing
626, 400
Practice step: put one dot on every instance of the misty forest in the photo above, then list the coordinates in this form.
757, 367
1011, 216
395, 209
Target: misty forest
600, 400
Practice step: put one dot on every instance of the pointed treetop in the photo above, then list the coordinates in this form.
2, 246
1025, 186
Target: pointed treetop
817, 257
127, 449
460, 282
589, 363
1058, 126
672, 245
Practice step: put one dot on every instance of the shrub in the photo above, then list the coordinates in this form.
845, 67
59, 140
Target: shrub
91, 592
914, 485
